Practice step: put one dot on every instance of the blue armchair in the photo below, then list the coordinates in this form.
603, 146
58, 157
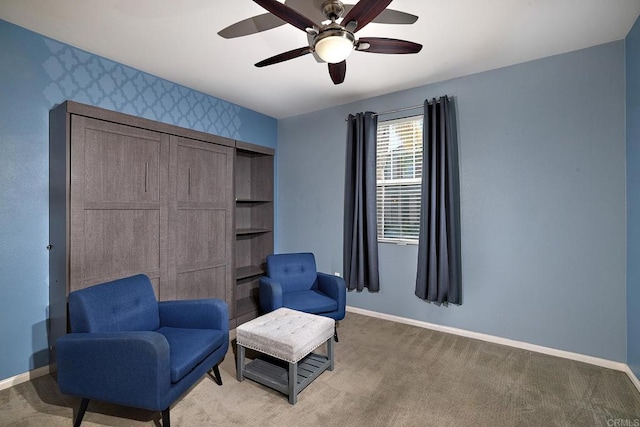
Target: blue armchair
293, 282
127, 348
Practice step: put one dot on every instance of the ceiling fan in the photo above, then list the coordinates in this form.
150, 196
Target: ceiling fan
309, 8
333, 42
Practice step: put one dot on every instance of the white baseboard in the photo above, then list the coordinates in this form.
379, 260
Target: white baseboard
633, 378
605, 363
23, 378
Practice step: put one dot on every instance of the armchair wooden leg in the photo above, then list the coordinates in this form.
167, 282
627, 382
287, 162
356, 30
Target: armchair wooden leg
335, 332
81, 411
166, 420
216, 374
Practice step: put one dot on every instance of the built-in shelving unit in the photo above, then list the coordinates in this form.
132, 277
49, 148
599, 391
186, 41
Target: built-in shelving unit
254, 224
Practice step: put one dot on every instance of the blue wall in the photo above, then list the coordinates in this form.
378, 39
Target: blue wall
542, 153
632, 44
37, 73
542, 171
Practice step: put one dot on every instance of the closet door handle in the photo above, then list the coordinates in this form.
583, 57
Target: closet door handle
146, 175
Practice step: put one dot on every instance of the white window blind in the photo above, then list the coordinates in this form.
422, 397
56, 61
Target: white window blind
399, 176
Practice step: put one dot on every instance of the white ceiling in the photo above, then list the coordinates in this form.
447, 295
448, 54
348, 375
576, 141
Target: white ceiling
177, 40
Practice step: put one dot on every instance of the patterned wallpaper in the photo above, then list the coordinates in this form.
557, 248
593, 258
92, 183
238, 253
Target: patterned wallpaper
89, 79
37, 73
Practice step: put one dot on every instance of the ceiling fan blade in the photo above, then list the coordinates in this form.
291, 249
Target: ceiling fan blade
287, 14
285, 56
251, 25
312, 9
390, 16
384, 45
338, 72
364, 12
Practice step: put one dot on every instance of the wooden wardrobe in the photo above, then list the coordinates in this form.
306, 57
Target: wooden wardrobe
130, 195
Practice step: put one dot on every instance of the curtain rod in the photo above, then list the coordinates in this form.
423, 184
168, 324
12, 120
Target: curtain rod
398, 110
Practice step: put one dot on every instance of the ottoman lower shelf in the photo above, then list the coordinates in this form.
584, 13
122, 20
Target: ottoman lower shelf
286, 340
274, 373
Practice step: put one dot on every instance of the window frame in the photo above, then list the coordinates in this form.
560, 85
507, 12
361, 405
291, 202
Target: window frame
381, 184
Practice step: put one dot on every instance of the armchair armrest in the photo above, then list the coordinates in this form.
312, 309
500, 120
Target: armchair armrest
336, 288
270, 294
127, 368
196, 314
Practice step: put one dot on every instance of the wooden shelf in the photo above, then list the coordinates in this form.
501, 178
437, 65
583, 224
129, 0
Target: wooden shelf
245, 306
274, 373
241, 231
248, 271
253, 201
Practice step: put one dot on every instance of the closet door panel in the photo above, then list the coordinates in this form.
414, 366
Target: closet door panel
201, 218
206, 283
199, 240
118, 208
202, 173
126, 240
121, 167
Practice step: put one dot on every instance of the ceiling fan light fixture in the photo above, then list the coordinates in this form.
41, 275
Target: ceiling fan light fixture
334, 46
334, 42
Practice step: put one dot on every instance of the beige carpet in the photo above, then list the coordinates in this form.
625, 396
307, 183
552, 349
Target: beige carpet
387, 374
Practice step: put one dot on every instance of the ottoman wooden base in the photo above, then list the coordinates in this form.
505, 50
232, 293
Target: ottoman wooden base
286, 337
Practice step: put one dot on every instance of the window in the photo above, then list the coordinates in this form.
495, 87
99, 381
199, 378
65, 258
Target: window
399, 177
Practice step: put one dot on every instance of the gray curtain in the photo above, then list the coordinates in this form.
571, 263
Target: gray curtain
439, 276
360, 245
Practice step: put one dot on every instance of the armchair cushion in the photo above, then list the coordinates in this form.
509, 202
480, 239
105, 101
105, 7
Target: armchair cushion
293, 282
294, 272
121, 305
195, 314
189, 347
311, 301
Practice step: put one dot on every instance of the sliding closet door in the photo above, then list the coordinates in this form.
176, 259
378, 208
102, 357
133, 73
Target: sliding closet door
118, 202
201, 218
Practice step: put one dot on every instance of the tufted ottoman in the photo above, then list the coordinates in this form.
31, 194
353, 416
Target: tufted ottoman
289, 336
